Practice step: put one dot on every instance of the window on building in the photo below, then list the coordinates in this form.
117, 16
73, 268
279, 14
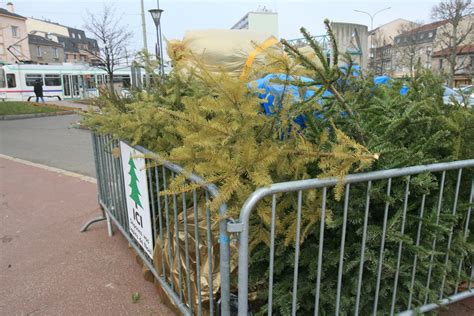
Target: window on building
472, 62
15, 31
38, 51
11, 81
461, 62
52, 80
440, 63
2, 78
422, 35
2, 49
430, 34
56, 52
31, 79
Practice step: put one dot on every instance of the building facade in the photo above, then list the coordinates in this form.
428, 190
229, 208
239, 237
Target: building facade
78, 47
382, 41
44, 50
262, 21
46, 27
401, 46
464, 71
413, 46
13, 36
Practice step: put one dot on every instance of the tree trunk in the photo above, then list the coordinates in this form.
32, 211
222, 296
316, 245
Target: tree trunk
452, 56
111, 84
452, 68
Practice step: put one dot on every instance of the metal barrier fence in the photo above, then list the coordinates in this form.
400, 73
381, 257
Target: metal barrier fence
186, 241
392, 215
386, 204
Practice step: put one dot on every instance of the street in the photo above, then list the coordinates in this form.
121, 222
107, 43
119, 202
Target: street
51, 141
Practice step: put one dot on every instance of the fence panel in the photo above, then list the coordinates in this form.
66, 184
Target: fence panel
189, 251
383, 242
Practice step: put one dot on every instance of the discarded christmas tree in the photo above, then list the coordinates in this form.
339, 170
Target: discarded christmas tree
213, 125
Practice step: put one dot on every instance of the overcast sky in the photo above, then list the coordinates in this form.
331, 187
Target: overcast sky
182, 15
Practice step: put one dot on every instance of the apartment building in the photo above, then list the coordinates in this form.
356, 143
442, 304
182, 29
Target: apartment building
44, 50
78, 47
13, 36
262, 20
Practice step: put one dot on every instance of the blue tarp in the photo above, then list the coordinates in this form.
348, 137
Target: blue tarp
382, 80
273, 88
386, 81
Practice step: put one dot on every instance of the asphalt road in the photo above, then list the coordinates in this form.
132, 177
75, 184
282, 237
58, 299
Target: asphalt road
50, 141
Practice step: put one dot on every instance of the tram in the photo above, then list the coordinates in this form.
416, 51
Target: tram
60, 82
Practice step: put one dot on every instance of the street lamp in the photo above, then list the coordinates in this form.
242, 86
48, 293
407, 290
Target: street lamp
372, 28
156, 15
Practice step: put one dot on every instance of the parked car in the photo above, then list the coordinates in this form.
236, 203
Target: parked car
467, 91
451, 96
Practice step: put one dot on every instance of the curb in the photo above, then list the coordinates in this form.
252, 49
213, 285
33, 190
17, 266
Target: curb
53, 169
33, 115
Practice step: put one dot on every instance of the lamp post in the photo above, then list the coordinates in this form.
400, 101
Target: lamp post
372, 29
156, 15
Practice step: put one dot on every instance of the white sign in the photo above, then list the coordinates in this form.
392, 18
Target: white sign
136, 190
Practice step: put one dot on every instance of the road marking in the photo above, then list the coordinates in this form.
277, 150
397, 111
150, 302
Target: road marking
53, 169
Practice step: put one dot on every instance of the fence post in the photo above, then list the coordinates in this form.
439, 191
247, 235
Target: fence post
224, 261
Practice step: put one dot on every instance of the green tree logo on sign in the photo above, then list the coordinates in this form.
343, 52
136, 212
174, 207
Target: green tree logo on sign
135, 193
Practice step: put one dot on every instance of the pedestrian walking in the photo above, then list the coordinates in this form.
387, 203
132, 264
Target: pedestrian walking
38, 88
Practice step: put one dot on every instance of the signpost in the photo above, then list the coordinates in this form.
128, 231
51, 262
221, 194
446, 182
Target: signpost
136, 191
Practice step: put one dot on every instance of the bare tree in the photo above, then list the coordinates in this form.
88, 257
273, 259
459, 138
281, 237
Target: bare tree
455, 32
407, 46
112, 39
381, 44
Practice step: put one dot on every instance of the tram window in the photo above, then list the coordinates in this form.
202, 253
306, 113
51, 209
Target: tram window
11, 81
2, 78
89, 81
124, 79
52, 80
31, 79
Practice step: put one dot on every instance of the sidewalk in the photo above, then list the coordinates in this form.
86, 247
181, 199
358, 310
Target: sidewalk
71, 104
47, 267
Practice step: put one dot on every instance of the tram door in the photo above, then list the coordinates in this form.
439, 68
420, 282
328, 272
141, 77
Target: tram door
72, 86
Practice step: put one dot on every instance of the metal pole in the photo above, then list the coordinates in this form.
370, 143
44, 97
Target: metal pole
162, 58
371, 52
372, 29
145, 45
160, 44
